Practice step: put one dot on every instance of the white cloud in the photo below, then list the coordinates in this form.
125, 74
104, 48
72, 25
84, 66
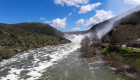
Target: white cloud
71, 2
132, 1
76, 29
48, 21
59, 23
89, 7
70, 13
81, 21
42, 18
100, 16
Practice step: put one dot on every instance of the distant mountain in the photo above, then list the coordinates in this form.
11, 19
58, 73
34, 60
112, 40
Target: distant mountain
36, 27
127, 29
15, 38
133, 19
106, 26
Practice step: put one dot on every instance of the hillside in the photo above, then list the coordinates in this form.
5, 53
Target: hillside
15, 38
106, 26
123, 45
128, 30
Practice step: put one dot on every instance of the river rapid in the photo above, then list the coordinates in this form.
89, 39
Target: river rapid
60, 62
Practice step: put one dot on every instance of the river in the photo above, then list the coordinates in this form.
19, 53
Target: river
60, 62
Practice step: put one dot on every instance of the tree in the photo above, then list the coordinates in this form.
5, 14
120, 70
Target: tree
89, 44
124, 34
85, 46
94, 39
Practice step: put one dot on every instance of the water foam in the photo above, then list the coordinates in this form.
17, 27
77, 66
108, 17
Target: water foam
75, 37
35, 62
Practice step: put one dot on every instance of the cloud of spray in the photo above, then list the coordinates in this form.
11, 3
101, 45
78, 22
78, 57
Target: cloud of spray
102, 29
105, 28
75, 37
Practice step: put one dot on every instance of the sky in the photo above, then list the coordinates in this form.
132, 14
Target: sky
64, 15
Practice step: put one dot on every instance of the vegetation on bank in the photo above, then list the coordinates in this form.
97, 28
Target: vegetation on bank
123, 58
15, 38
89, 44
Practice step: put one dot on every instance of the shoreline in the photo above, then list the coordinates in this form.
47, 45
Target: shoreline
121, 69
33, 48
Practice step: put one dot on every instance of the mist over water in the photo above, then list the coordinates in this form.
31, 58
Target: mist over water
58, 62
61, 62
75, 38
105, 28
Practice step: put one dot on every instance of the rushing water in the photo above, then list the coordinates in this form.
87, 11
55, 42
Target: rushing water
61, 62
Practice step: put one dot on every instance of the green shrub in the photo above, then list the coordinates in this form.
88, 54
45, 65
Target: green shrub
104, 51
0, 58
123, 51
113, 48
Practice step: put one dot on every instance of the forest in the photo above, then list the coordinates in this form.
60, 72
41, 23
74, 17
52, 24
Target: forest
16, 38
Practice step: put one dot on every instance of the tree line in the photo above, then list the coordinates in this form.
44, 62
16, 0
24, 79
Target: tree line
15, 38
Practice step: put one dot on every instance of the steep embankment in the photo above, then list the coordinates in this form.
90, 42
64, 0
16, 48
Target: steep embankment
127, 30
106, 26
15, 38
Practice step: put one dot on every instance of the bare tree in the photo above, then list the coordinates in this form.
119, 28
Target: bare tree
123, 35
85, 46
89, 44
94, 39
